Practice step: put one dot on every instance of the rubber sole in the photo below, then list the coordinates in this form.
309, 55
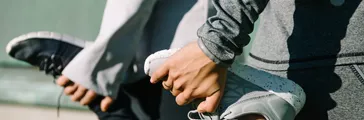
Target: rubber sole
47, 35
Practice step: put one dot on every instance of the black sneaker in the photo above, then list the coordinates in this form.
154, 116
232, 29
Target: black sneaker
49, 51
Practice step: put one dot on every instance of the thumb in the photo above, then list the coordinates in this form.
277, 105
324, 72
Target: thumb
160, 73
105, 103
211, 103
63, 81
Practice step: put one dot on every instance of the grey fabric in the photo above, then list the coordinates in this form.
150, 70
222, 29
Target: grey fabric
223, 35
310, 42
295, 34
102, 66
332, 92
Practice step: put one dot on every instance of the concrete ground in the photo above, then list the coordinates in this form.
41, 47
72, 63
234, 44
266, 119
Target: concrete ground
20, 112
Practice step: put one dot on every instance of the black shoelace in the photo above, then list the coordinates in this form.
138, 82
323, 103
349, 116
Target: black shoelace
53, 66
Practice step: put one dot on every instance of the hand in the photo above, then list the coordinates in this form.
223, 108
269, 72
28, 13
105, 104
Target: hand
191, 74
81, 94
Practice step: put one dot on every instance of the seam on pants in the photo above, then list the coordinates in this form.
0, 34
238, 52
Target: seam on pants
358, 73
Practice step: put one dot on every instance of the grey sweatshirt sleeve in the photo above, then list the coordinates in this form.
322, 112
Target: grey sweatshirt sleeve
222, 37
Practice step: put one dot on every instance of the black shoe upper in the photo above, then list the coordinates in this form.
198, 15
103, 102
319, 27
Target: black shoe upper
49, 55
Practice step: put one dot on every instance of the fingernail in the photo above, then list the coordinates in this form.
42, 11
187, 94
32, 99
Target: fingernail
200, 110
152, 81
201, 107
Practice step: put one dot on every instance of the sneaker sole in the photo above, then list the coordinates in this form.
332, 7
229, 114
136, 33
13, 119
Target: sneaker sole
47, 35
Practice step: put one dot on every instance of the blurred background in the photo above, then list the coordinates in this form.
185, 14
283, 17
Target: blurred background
26, 93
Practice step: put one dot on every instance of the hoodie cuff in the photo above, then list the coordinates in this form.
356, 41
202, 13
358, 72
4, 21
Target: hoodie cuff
215, 53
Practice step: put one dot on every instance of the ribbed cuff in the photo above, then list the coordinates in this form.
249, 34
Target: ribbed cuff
212, 56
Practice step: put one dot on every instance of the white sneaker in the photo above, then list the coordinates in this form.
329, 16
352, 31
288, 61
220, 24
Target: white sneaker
247, 91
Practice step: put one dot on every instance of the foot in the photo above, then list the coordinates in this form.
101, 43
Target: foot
249, 93
49, 51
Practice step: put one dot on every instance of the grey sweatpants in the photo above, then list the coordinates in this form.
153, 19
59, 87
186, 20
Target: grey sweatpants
333, 93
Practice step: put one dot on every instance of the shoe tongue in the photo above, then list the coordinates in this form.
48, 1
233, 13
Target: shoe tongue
67, 52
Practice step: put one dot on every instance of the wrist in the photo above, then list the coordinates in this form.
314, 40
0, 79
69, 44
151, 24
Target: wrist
212, 55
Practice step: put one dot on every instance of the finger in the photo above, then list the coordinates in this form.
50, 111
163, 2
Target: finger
211, 103
78, 95
184, 98
175, 92
63, 81
88, 98
159, 74
105, 103
69, 90
177, 87
188, 95
168, 84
